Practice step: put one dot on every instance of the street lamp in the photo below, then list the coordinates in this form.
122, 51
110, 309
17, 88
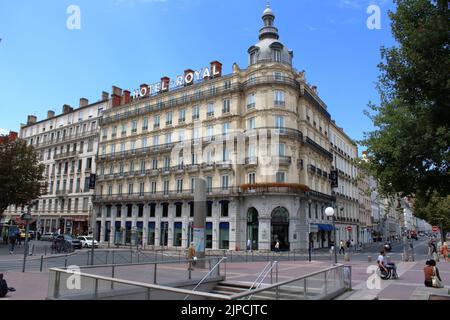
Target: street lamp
330, 213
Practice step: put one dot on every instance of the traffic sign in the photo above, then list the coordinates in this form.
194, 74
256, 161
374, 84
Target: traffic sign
435, 229
349, 228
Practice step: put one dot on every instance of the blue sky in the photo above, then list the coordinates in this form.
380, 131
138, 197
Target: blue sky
44, 65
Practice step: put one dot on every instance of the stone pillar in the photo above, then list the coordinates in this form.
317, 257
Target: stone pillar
185, 214
145, 225
103, 224
264, 233
215, 225
234, 232
200, 220
124, 223
158, 214
171, 231
134, 214
113, 224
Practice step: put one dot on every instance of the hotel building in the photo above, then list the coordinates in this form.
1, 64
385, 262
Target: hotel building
222, 124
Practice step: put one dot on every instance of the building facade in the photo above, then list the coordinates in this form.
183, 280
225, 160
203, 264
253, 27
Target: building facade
67, 144
258, 136
345, 152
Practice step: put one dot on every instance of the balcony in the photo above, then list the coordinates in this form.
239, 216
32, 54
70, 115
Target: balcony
152, 172
209, 166
279, 103
251, 106
224, 165
62, 193
282, 160
251, 162
181, 120
179, 169
65, 155
210, 114
318, 148
164, 171
192, 168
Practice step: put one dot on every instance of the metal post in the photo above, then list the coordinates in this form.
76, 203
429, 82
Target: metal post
335, 240
87, 262
148, 294
107, 254
65, 261
113, 260
309, 247
94, 227
96, 288
325, 284
305, 289
271, 275
276, 272
26, 242
42, 262
154, 274
113, 273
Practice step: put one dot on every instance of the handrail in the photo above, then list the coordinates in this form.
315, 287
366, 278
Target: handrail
206, 276
267, 265
145, 285
244, 294
273, 264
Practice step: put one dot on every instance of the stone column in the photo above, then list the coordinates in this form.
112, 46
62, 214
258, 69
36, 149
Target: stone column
185, 214
234, 230
124, 223
134, 214
171, 231
145, 225
215, 225
113, 224
264, 233
103, 224
158, 214
200, 220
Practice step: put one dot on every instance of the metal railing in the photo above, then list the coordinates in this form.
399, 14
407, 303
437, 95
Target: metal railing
207, 275
263, 275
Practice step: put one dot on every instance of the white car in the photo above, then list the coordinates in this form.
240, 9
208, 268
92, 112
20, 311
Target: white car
86, 242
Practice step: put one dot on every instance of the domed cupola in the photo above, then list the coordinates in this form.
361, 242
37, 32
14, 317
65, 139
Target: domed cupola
269, 49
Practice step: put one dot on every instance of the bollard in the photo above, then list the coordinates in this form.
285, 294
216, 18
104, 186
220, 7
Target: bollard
369, 259
87, 262
346, 257
65, 261
42, 262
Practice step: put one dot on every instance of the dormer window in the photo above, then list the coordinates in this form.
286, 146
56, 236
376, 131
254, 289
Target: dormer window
253, 58
276, 55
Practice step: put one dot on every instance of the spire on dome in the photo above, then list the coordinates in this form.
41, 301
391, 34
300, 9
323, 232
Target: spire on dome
268, 31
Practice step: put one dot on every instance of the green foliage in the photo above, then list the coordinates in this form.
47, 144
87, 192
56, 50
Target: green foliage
409, 151
21, 175
435, 210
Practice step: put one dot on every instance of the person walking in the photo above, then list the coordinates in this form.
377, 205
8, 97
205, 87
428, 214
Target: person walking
191, 256
341, 247
444, 251
431, 273
352, 245
277, 246
249, 245
12, 242
432, 247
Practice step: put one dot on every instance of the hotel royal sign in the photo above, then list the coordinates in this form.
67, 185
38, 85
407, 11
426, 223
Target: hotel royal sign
188, 78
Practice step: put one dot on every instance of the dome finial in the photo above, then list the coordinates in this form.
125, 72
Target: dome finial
267, 4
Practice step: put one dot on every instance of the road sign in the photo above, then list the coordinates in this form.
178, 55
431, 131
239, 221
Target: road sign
435, 229
349, 228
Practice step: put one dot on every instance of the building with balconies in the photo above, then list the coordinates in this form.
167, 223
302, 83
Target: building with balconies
258, 136
67, 144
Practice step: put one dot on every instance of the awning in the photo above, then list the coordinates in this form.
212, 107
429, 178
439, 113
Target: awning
325, 227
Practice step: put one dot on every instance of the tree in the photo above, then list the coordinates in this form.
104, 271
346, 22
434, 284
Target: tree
436, 211
21, 174
409, 151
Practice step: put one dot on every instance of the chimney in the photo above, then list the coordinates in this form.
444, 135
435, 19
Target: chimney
67, 109
84, 102
116, 96
144, 91
165, 83
188, 77
31, 120
116, 91
216, 69
105, 96
126, 98
50, 114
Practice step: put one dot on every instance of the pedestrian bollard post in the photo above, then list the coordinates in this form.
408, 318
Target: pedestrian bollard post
42, 262
369, 259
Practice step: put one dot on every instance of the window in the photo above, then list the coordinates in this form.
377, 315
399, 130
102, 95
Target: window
155, 141
227, 85
179, 185
154, 164
169, 119
195, 133
120, 189
192, 185
209, 208
209, 132
145, 124
113, 148
281, 149
252, 150
251, 123
85, 204
166, 187
195, 113
131, 166
134, 126
279, 98
226, 106
105, 134
224, 182
278, 76
144, 143
224, 208
251, 101
124, 129
252, 178
130, 189
181, 135
142, 166
178, 210
208, 184
210, 109
253, 58
166, 163
276, 55
209, 156
225, 128
103, 150
141, 189
153, 187
168, 138
156, 122
110, 189
279, 122
182, 116
280, 177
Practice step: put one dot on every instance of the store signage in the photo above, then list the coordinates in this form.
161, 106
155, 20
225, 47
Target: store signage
188, 78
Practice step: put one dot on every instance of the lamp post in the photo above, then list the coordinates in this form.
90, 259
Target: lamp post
27, 217
330, 213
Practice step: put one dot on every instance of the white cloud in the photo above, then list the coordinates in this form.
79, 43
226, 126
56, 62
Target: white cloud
3, 131
133, 2
358, 4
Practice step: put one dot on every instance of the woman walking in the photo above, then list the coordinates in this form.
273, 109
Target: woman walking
444, 251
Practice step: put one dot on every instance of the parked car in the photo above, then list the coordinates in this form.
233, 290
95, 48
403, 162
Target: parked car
86, 241
48, 236
76, 244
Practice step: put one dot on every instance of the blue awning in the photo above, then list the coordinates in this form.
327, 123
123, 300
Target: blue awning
325, 227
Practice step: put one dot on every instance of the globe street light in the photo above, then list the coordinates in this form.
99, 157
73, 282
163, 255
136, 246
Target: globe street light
330, 213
